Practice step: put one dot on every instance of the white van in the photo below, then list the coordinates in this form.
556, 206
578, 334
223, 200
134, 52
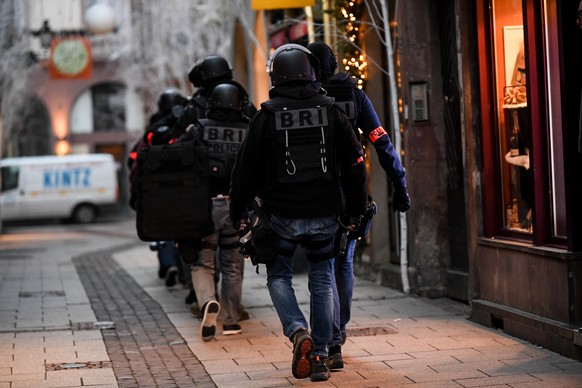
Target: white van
74, 187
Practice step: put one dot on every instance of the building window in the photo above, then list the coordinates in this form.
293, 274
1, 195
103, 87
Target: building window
513, 129
556, 168
108, 107
9, 178
524, 194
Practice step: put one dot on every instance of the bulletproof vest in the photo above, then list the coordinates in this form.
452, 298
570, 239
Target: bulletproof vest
199, 106
223, 140
249, 109
304, 138
343, 92
194, 111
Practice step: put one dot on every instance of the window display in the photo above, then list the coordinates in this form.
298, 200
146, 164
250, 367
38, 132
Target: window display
513, 123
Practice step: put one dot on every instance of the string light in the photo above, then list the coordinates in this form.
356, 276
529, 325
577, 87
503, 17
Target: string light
353, 60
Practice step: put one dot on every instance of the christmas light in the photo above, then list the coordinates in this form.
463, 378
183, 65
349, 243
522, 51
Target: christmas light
353, 60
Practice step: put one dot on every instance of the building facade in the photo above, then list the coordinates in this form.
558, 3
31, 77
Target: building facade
83, 76
486, 111
489, 115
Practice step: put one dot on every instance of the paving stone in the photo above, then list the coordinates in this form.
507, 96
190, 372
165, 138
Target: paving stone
499, 380
143, 336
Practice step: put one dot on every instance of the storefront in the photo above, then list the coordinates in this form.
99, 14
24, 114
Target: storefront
528, 259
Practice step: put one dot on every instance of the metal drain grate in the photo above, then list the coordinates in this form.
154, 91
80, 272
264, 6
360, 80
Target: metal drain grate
76, 326
99, 325
369, 331
40, 294
14, 256
78, 365
19, 254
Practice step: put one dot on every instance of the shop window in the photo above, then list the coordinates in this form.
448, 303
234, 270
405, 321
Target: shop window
524, 192
556, 169
514, 131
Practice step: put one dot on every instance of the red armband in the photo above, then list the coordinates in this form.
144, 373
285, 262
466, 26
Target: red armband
376, 134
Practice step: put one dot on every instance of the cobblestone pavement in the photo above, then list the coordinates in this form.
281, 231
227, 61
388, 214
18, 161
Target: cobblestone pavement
83, 306
145, 348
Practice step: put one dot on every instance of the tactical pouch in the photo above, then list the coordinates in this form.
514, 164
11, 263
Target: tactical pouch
263, 247
173, 192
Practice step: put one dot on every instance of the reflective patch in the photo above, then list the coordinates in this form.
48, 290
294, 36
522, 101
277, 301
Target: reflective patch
376, 134
348, 107
300, 118
224, 135
222, 148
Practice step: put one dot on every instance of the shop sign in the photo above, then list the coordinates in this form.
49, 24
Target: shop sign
258, 5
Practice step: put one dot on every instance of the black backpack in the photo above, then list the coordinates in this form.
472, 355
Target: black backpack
173, 201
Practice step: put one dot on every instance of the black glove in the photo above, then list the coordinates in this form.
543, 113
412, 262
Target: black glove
401, 199
347, 221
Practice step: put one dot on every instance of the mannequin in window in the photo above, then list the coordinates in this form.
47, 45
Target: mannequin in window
516, 116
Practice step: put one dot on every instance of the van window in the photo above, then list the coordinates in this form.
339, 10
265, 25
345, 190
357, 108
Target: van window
9, 177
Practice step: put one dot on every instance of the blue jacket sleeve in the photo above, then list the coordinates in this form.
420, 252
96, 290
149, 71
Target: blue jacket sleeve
353, 176
372, 129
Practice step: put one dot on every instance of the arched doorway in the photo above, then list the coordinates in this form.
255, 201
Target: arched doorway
29, 134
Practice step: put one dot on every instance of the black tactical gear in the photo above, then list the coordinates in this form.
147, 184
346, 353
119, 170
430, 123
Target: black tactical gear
327, 59
208, 70
226, 96
168, 99
292, 63
304, 138
223, 140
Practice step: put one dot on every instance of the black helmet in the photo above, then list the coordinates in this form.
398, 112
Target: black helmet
291, 63
168, 99
226, 96
209, 69
327, 59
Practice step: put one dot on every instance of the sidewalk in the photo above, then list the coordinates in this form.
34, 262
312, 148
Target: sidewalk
54, 298
393, 340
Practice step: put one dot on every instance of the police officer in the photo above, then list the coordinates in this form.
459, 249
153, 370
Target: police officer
207, 72
222, 131
158, 132
362, 115
300, 157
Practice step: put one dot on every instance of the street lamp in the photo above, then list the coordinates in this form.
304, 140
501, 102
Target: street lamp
44, 34
99, 19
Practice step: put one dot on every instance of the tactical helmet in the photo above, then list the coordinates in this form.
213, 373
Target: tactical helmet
168, 99
327, 59
226, 96
291, 63
209, 69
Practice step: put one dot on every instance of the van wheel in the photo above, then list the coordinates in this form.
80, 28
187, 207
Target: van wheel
84, 214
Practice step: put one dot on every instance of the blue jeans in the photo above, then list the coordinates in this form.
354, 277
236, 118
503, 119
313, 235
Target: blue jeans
316, 235
343, 288
169, 256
